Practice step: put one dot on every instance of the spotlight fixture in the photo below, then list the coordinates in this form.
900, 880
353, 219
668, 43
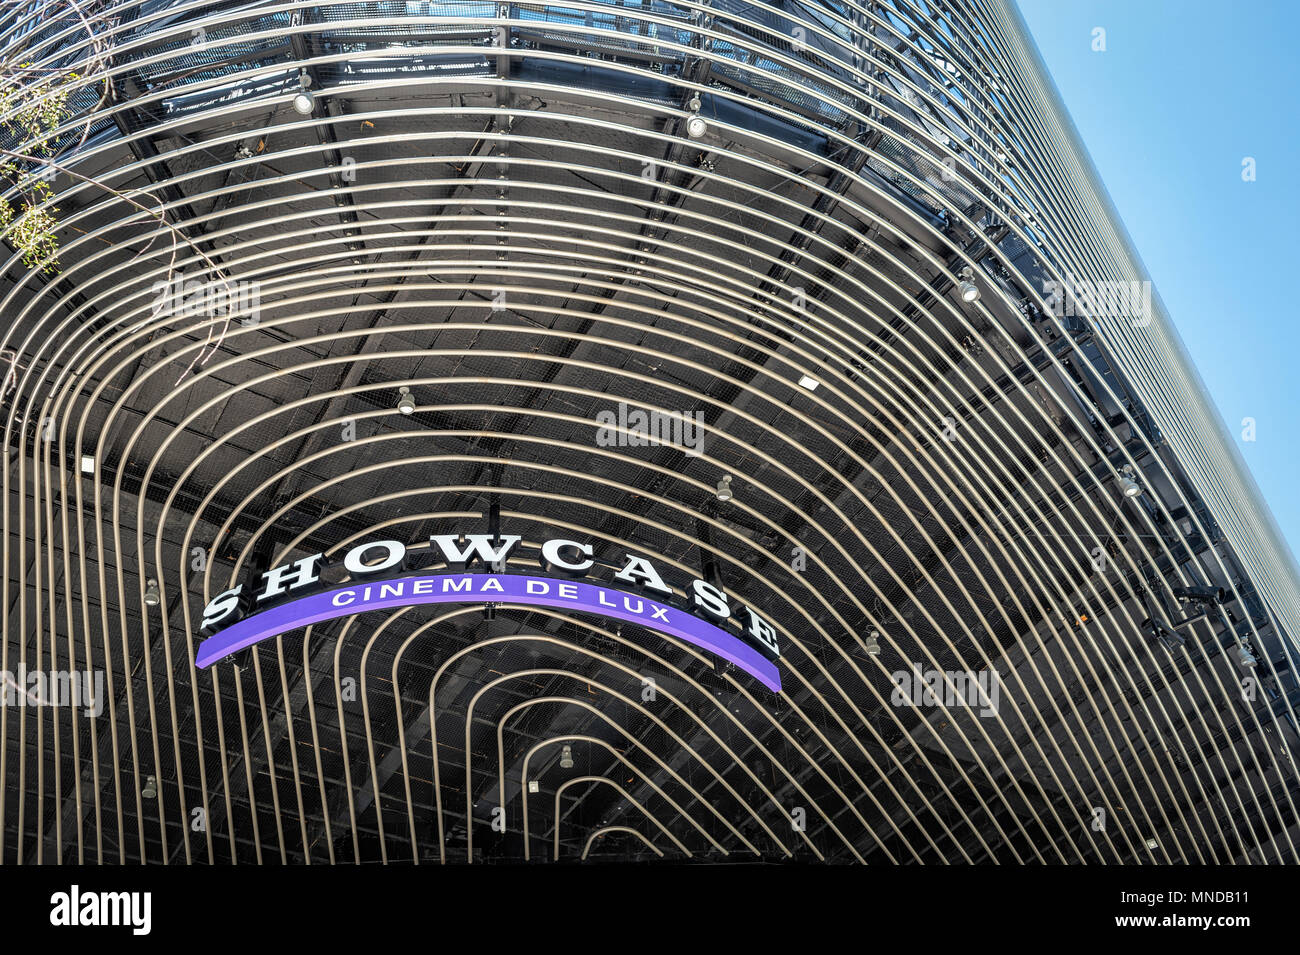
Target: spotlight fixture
724, 488
969, 290
1127, 482
405, 403
152, 597
303, 101
87, 464
1245, 657
150, 789
566, 757
809, 383
696, 127
534, 786
1153, 845
873, 643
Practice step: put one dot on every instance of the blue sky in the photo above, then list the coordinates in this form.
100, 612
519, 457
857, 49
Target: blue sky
1183, 92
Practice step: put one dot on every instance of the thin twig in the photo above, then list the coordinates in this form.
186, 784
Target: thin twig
98, 59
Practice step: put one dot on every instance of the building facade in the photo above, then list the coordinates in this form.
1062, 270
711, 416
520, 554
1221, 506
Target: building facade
815, 309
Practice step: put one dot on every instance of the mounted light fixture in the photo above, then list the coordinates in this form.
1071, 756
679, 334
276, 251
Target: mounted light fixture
303, 101
566, 757
152, 597
1245, 657
1128, 483
696, 127
150, 790
873, 643
724, 488
969, 290
87, 464
405, 403
810, 383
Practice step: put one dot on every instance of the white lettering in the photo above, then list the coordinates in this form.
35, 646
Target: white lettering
640, 571
551, 556
75, 908
762, 631
222, 606
479, 547
355, 559
291, 576
711, 600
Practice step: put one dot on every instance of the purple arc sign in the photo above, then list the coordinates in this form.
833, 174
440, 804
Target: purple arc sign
489, 588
